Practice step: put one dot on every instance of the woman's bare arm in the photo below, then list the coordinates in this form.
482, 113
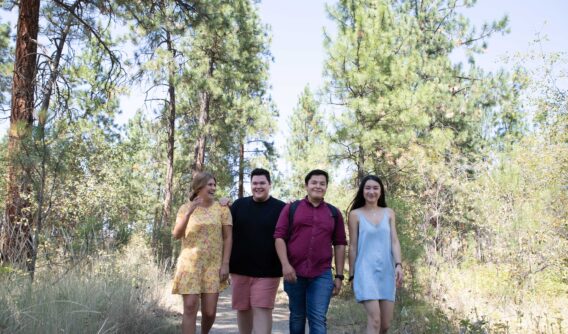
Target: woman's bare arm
353, 225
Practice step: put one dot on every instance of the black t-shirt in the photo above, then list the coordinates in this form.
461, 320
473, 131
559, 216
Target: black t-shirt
253, 252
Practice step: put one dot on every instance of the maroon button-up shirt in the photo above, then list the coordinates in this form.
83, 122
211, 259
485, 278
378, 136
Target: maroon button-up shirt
310, 246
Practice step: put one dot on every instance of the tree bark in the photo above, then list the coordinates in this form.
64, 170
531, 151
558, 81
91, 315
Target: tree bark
166, 242
156, 224
199, 157
54, 68
16, 244
360, 164
241, 168
204, 105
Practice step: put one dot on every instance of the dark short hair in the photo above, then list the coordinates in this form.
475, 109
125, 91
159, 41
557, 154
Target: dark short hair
316, 172
261, 171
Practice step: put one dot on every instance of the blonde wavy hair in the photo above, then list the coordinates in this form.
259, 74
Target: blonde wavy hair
199, 182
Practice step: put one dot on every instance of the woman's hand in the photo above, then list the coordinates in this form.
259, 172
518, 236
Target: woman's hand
183, 217
194, 204
398, 274
224, 272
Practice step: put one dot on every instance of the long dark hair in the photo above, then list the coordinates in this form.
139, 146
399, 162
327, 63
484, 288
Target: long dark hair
359, 200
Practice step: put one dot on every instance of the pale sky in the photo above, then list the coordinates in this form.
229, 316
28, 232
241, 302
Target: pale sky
297, 43
297, 40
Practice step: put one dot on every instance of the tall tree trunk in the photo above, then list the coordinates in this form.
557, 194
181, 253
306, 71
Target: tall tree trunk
54, 68
166, 239
360, 164
16, 244
241, 168
199, 157
204, 105
157, 223
42, 120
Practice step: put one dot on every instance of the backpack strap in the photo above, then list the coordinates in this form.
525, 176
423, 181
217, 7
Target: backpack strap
335, 215
292, 210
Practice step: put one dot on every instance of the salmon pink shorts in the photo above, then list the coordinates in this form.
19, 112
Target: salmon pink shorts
251, 291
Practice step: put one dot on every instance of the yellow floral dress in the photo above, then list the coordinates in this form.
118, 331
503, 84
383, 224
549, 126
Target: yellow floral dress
199, 262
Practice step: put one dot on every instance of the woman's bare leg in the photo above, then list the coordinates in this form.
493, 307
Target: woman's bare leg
190, 307
208, 311
373, 309
387, 311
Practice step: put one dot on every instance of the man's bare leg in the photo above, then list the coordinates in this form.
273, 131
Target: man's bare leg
244, 320
262, 320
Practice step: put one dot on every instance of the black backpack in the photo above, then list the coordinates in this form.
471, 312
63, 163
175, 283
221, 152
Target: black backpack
334, 213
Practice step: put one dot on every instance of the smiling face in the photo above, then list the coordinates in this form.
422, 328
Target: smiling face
316, 187
260, 188
372, 191
208, 192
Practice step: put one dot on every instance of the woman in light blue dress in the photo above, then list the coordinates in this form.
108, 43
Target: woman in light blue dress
375, 266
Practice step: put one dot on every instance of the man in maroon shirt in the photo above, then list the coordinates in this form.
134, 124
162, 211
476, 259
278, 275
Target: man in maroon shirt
305, 252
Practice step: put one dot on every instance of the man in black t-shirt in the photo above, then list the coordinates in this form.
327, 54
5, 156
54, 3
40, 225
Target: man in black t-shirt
254, 265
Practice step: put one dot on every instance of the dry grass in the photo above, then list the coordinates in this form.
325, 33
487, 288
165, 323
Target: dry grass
411, 315
126, 292
487, 293
479, 299
119, 293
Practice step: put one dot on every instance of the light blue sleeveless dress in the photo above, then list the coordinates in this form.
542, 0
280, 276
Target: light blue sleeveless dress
374, 266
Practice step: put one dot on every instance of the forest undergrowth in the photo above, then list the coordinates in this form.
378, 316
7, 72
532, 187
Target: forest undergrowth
109, 292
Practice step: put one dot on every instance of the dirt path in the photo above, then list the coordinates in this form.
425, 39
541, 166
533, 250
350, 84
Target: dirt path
226, 321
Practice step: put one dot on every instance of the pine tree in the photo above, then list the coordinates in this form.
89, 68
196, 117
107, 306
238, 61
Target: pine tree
157, 29
16, 244
226, 81
308, 145
408, 113
217, 56
63, 24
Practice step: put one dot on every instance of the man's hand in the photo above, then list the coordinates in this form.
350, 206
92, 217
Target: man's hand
289, 274
336, 287
225, 201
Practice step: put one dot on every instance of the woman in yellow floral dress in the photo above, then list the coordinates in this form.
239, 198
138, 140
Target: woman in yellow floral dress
204, 227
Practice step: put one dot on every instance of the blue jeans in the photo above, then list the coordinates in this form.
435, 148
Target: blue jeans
309, 296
